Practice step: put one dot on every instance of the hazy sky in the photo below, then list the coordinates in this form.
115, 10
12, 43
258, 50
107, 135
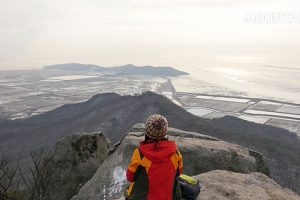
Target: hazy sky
180, 33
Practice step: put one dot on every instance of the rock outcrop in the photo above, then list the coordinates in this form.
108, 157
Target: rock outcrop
72, 162
226, 185
221, 184
200, 153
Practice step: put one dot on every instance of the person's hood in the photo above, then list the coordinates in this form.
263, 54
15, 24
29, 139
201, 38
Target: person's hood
161, 152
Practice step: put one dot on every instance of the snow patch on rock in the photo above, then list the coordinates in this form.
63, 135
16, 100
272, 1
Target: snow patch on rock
119, 180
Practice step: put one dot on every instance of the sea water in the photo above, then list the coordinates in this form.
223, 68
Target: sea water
267, 82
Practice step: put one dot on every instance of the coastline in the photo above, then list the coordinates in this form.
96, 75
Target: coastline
27, 93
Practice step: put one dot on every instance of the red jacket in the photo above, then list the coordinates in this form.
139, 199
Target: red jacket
153, 170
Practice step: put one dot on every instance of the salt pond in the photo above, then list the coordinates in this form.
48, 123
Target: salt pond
258, 112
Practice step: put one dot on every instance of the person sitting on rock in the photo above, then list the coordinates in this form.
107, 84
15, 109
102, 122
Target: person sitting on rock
155, 165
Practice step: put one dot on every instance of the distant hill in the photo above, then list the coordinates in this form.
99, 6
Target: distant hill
120, 70
115, 115
147, 70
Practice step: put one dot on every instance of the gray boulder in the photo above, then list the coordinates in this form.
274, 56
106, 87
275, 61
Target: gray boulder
221, 184
200, 154
72, 162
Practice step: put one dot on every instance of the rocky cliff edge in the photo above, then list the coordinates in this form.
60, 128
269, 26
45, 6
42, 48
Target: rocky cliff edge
225, 170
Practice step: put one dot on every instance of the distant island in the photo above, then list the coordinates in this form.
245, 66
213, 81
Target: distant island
119, 70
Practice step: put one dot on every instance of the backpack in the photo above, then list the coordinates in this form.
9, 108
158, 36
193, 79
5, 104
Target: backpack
190, 188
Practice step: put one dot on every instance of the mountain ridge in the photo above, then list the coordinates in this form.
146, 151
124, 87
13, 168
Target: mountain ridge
115, 115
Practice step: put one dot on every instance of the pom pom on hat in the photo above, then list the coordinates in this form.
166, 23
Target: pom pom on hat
156, 127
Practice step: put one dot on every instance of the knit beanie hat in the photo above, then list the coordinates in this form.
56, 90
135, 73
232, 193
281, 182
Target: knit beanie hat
156, 127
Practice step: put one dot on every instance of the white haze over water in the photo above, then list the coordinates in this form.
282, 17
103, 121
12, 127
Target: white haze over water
270, 82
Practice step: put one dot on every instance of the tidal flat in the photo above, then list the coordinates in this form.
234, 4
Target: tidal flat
25, 93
